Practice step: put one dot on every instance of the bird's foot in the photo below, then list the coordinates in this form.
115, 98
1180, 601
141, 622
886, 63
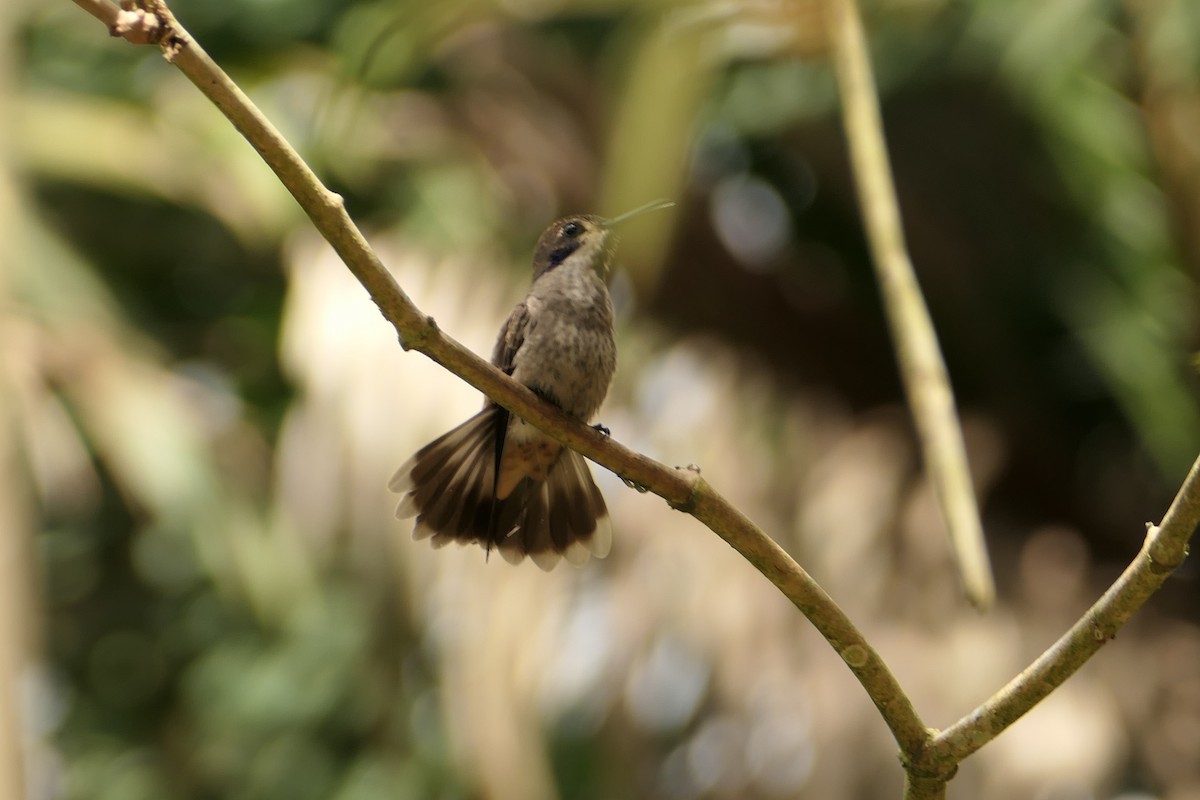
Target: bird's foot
637, 487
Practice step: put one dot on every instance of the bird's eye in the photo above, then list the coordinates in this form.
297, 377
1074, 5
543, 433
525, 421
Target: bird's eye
572, 229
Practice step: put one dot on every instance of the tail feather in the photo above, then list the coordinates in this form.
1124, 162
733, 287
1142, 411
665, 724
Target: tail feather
433, 457
450, 487
531, 535
475, 494
572, 487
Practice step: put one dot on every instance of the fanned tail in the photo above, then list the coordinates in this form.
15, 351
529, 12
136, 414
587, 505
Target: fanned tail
449, 486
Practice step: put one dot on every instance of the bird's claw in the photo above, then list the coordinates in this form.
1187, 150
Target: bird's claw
603, 431
637, 487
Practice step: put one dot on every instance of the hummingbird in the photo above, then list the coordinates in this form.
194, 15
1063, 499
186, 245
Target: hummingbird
496, 480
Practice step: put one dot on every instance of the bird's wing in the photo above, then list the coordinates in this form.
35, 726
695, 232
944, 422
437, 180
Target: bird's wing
512, 336
504, 354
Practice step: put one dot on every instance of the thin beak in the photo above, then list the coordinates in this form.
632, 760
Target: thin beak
654, 205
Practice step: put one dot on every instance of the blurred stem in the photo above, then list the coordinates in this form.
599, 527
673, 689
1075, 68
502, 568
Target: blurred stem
1170, 106
659, 103
682, 488
920, 358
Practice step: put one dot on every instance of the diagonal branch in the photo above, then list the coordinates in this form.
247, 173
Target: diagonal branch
683, 489
1164, 549
920, 358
